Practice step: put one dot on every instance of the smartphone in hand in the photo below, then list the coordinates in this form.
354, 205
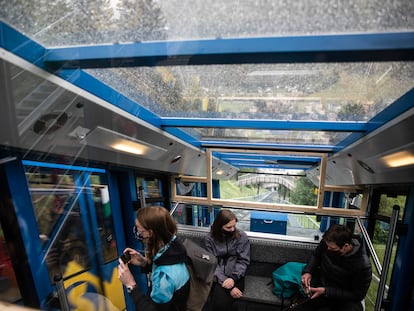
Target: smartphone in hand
125, 257
308, 292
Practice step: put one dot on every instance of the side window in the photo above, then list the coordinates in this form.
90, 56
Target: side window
152, 189
269, 190
67, 204
379, 240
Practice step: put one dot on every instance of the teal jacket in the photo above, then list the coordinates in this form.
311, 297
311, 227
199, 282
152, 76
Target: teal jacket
170, 280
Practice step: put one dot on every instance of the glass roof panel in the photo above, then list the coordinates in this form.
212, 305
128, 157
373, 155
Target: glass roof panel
63, 22
269, 136
311, 92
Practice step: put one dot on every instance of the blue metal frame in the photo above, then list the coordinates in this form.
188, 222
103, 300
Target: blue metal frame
124, 219
264, 124
323, 48
125, 182
268, 146
403, 265
28, 228
20, 45
265, 157
63, 166
267, 161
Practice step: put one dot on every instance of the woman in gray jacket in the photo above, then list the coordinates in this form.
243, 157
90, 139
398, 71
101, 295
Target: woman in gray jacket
232, 249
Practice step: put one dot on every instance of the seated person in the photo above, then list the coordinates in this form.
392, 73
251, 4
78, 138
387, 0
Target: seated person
231, 247
338, 273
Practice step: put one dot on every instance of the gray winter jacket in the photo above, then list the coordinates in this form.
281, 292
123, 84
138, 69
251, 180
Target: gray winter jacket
233, 256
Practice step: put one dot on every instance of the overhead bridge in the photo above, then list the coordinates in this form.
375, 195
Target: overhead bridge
253, 179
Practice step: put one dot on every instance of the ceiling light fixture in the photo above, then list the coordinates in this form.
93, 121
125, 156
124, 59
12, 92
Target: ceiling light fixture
130, 147
107, 139
398, 159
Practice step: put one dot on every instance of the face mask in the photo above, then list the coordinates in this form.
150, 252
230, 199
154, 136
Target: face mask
334, 253
335, 250
227, 233
137, 235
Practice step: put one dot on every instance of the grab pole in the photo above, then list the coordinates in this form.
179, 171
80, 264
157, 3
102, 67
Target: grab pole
64, 304
387, 257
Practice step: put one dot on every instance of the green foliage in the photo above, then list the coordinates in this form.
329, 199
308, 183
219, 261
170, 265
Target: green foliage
385, 209
229, 190
387, 203
373, 289
380, 232
283, 192
352, 112
303, 193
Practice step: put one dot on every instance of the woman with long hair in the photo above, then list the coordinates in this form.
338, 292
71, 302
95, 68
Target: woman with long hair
231, 247
166, 258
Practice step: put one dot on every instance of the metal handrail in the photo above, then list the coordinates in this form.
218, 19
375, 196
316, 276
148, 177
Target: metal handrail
370, 246
142, 196
172, 211
64, 304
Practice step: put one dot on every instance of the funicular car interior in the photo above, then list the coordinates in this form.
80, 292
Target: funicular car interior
217, 90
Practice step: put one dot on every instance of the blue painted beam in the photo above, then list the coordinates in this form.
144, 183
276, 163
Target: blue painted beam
20, 45
257, 160
246, 163
63, 166
337, 126
258, 165
264, 157
267, 163
268, 146
398, 46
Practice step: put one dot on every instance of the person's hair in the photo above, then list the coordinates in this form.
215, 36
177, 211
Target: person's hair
163, 226
338, 234
223, 217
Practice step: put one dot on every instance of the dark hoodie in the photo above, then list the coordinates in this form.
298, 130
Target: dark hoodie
344, 277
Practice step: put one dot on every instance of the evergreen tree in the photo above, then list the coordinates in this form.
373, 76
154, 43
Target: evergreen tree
303, 193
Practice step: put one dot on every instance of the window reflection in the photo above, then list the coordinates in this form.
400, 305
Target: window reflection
151, 186
103, 212
9, 291
65, 213
69, 244
295, 225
